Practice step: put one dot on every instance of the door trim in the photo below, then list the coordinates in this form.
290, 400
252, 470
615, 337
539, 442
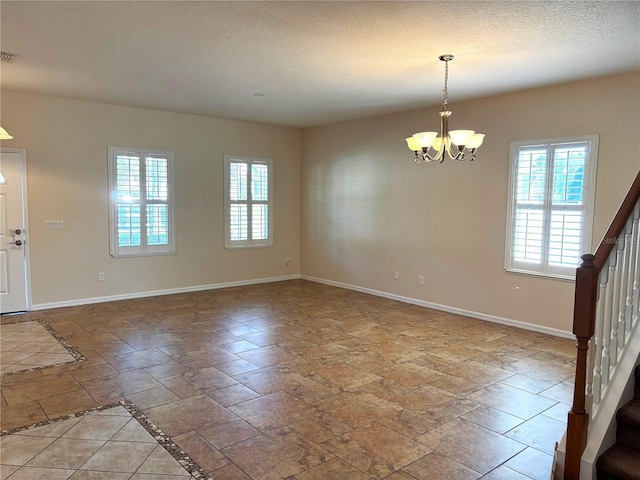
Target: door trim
25, 215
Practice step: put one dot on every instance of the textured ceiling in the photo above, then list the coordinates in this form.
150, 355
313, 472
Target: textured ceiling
316, 62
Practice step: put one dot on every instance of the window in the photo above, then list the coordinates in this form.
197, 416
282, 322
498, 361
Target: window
550, 211
248, 202
140, 202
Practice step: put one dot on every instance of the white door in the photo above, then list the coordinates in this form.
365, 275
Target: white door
13, 256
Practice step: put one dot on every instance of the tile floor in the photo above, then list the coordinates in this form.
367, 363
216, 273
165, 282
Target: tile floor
305, 381
27, 345
105, 444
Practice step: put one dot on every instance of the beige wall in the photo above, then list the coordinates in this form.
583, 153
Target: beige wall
368, 210
66, 144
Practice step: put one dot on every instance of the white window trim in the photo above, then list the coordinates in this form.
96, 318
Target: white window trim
143, 250
545, 270
249, 242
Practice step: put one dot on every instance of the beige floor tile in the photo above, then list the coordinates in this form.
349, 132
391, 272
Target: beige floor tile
561, 392
139, 359
493, 419
530, 384
161, 462
232, 395
209, 357
123, 457
205, 454
21, 414
92, 371
53, 430
19, 449
37, 473
197, 382
66, 403
460, 441
168, 369
236, 367
376, 450
504, 473
87, 475
408, 423
558, 412
512, 400
39, 388
230, 472
541, 432
6, 470
228, 433
119, 385
334, 469
437, 467
153, 397
268, 356
357, 409
132, 431
343, 376
273, 411
183, 416
320, 427
96, 427
66, 453
532, 463
277, 455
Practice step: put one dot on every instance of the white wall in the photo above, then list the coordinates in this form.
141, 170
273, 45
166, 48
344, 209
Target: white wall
66, 143
368, 210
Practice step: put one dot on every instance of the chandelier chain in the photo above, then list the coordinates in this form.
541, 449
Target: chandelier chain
445, 91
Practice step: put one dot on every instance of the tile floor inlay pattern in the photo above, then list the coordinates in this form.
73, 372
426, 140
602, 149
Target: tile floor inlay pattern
295, 380
116, 442
33, 344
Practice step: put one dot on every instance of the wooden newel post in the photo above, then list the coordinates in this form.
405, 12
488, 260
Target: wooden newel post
584, 317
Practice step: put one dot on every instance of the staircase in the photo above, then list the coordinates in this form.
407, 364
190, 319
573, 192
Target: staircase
622, 461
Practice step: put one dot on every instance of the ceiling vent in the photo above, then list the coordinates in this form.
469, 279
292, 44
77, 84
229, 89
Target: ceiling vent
7, 56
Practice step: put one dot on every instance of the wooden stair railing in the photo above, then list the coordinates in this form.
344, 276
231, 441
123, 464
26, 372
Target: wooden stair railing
588, 282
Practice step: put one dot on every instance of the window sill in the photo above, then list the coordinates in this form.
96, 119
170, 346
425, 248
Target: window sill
548, 276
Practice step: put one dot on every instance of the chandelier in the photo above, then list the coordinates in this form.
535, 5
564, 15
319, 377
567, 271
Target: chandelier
4, 135
466, 142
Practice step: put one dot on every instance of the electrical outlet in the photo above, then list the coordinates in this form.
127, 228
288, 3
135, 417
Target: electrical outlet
396, 275
420, 280
101, 276
287, 261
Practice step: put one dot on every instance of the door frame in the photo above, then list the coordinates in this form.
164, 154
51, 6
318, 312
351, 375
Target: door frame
25, 216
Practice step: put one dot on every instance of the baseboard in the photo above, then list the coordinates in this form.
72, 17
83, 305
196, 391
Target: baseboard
156, 293
445, 308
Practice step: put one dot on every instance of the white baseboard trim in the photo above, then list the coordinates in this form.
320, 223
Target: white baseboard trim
156, 293
445, 308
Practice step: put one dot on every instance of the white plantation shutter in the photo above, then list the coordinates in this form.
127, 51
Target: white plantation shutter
140, 202
552, 185
248, 202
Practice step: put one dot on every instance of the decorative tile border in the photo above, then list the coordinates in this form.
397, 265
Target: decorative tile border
68, 347
165, 441
169, 445
78, 357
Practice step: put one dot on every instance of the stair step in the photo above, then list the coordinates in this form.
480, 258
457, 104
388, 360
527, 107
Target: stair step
619, 463
628, 425
630, 414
